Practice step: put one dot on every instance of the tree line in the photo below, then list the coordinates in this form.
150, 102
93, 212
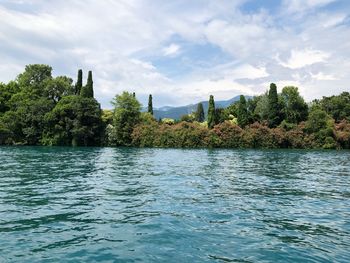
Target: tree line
39, 109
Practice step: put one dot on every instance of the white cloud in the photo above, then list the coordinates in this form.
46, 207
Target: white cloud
304, 5
171, 50
306, 57
249, 72
121, 40
240, 39
322, 76
333, 20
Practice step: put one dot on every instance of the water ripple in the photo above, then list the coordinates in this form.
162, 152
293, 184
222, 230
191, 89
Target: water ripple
166, 205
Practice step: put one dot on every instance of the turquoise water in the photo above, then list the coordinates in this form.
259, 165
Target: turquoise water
166, 205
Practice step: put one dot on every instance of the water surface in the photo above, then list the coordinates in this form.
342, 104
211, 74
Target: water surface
166, 205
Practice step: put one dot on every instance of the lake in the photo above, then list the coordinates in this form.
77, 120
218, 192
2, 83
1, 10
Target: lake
173, 205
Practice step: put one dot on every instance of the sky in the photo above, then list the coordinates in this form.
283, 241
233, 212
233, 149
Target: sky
182, 51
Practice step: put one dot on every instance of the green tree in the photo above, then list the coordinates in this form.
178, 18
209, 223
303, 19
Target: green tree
11, 128
233, 109
211, 112
74, 121
26, 120
6, 92
88, 90
294, 108
274, 106
147, 118
79, 84
221, 115
150, 104
33, 80
5, 134
29, 105
337, 106
318, 120
322, 126
262, 107
252, 104
242, 116
31, 114
107, 117
58, 87
126, 116
199, 115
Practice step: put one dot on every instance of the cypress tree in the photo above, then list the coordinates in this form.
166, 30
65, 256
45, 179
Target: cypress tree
200, 113
79, 83
211, 112
273, 106
88, 90
242, 113
150, 104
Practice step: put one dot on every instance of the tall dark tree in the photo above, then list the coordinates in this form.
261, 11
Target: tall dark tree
150, 104
273, 106
88, 90
211, 112
79, 83
242, 114
200, 113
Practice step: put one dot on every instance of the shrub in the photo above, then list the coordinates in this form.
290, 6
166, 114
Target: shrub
258, 135
228, 135
342, 134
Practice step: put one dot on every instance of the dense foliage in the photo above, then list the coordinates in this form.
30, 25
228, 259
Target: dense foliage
73, 121
126, 116
39, 109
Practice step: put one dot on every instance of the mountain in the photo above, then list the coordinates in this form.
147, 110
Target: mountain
177, 112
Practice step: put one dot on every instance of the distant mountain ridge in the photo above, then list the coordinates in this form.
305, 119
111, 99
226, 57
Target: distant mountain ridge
177, 112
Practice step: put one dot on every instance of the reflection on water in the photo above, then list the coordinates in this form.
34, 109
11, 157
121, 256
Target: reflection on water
166, 205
